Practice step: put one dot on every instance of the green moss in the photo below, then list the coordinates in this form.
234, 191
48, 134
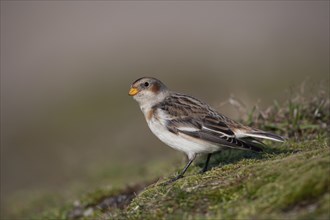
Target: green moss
289, 181
286, 186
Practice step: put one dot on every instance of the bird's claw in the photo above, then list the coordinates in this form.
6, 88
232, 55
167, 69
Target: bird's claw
173, 179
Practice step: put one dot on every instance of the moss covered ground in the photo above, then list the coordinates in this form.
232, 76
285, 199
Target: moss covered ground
286, 181
290, 181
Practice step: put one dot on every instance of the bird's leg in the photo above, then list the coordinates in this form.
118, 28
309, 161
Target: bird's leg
206, 164
191, 159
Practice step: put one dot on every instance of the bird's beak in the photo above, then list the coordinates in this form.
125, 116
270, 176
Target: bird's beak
133, 91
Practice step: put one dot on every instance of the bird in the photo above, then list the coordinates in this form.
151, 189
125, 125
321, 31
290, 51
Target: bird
191, 126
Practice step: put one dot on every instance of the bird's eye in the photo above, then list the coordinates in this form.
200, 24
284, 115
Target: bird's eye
146, 84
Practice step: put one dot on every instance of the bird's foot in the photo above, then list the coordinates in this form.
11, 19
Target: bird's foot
173, 179
202, 171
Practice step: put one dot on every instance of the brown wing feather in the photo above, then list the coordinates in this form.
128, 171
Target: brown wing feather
203, 122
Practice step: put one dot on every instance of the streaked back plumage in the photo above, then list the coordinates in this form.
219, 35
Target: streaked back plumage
190, 125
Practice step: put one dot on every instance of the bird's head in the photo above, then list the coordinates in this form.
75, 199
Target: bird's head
148, 90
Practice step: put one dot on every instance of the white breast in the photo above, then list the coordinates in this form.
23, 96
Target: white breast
181, 142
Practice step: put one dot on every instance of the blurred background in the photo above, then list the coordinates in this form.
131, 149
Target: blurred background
66, 68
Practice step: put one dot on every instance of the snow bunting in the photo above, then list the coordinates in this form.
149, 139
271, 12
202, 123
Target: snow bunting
190, 125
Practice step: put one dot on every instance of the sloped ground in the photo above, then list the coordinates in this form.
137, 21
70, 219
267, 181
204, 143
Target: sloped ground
291, 182
286, 181
291, 185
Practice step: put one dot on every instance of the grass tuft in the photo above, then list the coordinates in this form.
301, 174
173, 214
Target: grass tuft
303, 116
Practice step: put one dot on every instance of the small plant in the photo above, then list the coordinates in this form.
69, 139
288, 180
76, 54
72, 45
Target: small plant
302, 116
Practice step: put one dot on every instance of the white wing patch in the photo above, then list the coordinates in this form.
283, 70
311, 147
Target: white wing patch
240, 133
188, 128
243, 134
219, 132
263, 137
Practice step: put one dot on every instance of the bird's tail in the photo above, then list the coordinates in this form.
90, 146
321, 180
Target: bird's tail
252, 144
265, 135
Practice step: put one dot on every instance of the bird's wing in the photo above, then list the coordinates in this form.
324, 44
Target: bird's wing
187, 115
